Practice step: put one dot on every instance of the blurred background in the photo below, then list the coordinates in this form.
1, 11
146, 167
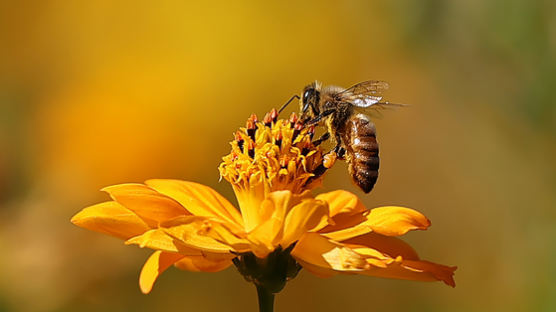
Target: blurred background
99, 93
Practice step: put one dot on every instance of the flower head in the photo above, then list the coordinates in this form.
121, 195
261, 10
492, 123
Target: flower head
279, 226
273, 155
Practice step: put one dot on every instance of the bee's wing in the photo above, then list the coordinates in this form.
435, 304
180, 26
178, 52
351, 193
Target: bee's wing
365, 94
369, 86
361, 100
375, 111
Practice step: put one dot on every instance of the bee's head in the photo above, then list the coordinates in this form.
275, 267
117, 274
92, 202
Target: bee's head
310, 98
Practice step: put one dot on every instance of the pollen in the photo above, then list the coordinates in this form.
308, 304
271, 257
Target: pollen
275, 153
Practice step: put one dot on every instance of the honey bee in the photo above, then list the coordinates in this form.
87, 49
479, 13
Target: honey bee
354, 133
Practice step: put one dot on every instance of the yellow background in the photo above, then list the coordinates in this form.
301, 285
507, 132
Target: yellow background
94, 93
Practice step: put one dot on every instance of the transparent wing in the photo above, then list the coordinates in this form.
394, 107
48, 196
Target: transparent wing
366, 93
363, 100
368, 87
375, 111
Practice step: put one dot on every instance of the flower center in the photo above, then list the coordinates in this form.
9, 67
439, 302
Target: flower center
277, 154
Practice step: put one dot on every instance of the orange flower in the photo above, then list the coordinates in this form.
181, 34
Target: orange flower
279, 226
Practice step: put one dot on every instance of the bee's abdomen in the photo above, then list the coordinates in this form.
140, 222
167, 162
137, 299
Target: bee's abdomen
362, 151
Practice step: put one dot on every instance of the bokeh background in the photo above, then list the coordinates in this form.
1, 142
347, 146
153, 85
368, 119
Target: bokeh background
104, 92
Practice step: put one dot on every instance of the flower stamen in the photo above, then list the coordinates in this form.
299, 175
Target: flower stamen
278, 139
274, 115
240, 141
251, 126
296, 130
251, 149
280, 156
293, 119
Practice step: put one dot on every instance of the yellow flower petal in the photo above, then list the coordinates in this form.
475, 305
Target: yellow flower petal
250, 202
110, 218
341, 201
317, 270
151, 206
391, 246
157, 263
346, 233
440, 272
198, 199
324, 253
309, 215
390, 221
275, 206
202, 264
347, 213
396, 221
159, 240
236, 240
345, 259
192, 232
416, 271
273, 213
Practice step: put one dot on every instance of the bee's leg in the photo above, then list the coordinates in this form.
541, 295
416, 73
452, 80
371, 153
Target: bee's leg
339, 150
329, 159
295, 96
327, 162
319, 117
322, 138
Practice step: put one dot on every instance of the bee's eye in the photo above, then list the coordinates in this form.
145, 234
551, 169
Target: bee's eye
306, 95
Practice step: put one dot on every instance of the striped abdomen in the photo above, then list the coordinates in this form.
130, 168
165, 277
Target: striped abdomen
359, 137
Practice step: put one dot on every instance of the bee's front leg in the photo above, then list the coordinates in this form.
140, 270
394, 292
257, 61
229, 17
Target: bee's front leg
323, 138
318, 118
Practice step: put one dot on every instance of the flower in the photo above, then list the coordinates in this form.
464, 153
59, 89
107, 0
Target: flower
280, 226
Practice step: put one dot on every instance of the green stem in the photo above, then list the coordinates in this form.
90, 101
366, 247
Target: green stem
266, 299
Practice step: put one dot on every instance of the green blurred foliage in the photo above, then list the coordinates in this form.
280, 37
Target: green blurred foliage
99, 93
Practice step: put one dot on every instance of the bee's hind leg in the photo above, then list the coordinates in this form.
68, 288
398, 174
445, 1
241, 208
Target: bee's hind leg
339, 150
330, 158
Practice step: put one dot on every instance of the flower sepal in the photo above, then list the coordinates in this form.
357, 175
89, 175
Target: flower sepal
271, 272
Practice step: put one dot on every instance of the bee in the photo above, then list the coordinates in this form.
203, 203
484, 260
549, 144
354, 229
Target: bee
353, 133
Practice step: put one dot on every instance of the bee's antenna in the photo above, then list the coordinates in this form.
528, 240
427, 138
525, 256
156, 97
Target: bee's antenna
288, 102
